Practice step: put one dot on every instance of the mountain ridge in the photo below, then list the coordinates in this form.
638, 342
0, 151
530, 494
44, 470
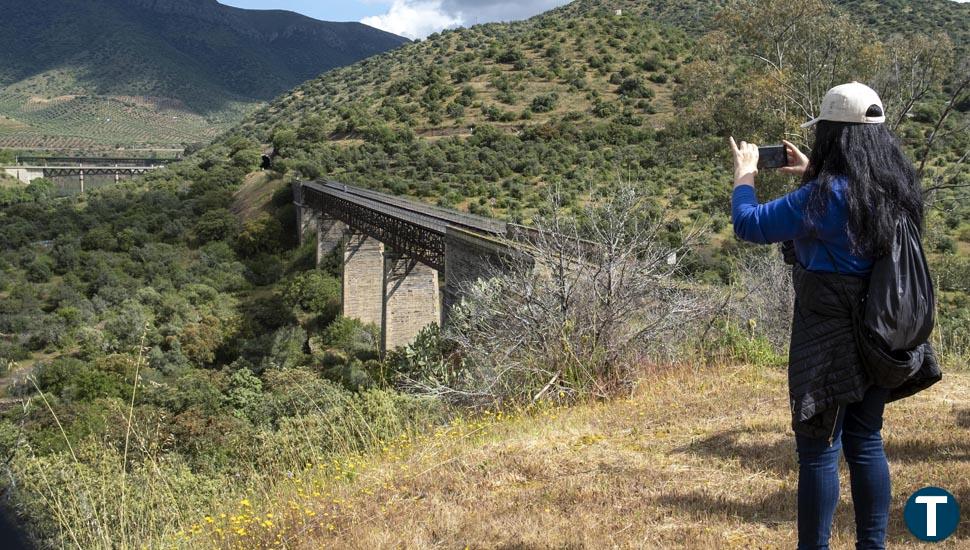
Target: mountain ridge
218, 60
248, 21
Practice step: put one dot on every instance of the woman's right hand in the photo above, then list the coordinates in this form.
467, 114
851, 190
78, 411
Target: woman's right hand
798, 162
745, 162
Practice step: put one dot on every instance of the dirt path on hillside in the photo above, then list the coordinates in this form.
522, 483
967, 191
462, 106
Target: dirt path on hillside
254, 195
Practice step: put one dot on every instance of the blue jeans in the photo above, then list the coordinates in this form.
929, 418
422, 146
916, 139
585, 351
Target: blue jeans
856, 433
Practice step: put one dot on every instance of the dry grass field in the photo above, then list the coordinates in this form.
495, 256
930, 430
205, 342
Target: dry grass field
696, 458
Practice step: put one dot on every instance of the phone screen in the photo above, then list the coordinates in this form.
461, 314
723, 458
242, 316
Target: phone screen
772, 156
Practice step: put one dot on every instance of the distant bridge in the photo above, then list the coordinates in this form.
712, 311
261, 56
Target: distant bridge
93, 161
405, 262
27, 174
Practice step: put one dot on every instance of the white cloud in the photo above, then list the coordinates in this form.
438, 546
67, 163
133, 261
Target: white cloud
484, 11
414, 19
419, 18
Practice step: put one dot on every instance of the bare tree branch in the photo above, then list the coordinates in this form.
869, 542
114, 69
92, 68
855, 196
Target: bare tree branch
586, 298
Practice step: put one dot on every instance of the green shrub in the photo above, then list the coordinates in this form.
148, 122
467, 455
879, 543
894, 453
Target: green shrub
650, 63
193, 389
200, 340
39, 270
964, 234
264, 269
66, 255
636, 88
262, 235
41, 189
352, 375
216, 225
952, 334
510, 57
350, 335
455, 110
244, 396
421, 360
545, 103
283, 139
952, 272
314, 292
247, 159
744, 345
286, 349
75, 380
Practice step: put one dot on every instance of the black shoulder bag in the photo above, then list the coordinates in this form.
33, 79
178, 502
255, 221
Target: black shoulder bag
897, 315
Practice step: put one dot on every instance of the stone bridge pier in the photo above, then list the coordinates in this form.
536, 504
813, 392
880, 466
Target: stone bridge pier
391, 290
363, 279
412, 300
404, 263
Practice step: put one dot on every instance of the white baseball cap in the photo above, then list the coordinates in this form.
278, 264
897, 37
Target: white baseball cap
850, 103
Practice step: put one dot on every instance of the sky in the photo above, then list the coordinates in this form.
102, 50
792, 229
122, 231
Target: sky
410, 18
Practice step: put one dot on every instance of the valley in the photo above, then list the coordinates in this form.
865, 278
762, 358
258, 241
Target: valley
181, 362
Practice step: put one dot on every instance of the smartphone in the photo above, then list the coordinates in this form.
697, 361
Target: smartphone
772, 156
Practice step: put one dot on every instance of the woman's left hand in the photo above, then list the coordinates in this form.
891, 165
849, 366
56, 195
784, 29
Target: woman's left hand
797, 161
745, 162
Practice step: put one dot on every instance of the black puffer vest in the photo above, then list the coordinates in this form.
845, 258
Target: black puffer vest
825, 371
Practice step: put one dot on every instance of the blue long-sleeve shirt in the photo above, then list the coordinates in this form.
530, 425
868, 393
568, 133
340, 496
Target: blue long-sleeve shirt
785, 219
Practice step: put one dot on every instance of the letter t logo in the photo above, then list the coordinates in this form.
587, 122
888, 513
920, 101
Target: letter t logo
931, 502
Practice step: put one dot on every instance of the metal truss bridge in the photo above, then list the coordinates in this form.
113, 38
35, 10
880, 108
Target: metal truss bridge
406, 226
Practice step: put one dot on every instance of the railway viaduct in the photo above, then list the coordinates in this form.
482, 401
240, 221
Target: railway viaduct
405, 262
94, 161
27, 174
28, 168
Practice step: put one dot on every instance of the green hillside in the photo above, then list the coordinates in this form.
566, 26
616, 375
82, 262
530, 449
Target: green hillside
486, 118
171, 328
886, 16
155, 73
561, 97
897, 16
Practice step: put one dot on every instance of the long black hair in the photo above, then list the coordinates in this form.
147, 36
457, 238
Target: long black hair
882, 182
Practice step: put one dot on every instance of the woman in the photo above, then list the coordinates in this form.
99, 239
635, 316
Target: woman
857, 184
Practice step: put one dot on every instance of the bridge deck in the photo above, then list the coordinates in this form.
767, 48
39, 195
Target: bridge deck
429, 217
67, 167
405, 226
98, 161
